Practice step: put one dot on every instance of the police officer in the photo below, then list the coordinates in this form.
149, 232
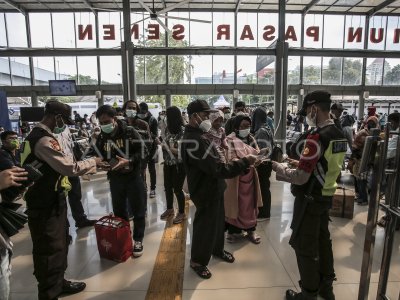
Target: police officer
46, 201
314, 183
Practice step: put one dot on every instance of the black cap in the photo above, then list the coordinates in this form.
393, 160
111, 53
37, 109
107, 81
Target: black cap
338, 106
57, 108
199, 106
314, 98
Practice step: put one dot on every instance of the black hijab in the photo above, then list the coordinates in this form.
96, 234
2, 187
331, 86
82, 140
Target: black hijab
259, 119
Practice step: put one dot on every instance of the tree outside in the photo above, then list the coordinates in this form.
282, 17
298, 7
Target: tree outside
392, 77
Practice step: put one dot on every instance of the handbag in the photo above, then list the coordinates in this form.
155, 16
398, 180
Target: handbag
114, 238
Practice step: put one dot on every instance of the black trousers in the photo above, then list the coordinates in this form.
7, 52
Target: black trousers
75, 199
208, 231
50, 249
129, 188
313, 246
264, 173
151, 163
174, 176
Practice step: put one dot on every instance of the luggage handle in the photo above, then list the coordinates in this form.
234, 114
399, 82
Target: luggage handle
112, 221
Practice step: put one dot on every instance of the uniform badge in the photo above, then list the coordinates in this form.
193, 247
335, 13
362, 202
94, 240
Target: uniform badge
306, 151
55, 145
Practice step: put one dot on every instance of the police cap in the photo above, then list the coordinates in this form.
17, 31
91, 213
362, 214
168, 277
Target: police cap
314, 98
55, 107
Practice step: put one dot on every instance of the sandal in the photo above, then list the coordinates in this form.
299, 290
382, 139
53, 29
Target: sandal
254, 237
202, 271
226, 256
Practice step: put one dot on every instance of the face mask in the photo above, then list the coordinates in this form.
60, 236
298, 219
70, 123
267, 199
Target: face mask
142, 116
240, 113
14, 144
108, 128
312, 121
227, 116
57, 129
120, 117
130, 113
244, 132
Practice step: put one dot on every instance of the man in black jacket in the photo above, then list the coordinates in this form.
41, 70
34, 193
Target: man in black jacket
122, 147
146, 116
205, 176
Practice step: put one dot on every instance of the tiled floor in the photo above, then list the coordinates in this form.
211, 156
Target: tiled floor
262, 271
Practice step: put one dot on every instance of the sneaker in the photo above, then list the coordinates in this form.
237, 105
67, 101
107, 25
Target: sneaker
166, 214
152, 194
179, 218
137, 249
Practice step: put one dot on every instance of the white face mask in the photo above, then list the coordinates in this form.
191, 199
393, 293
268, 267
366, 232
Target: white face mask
227, 116
120, 117
130, 113
244, 132
240, 113
311, 121
205, 125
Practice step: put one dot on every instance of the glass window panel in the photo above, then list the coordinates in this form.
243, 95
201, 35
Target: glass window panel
137, 19
354, 32
293, 30
312, 70
139, 68
197, 29
352, 69
181, 101
393, 34
87, 70
65, 67
155, 69
43, 70
392, 71
247, 30
377, 34
223, 69
179, 69
246, 69
266, 69
224, 30
110, 29
16, 30
111, 69
86, 22
331, 70
313, 29
63, 30
267, 29
180, 36
202, 69
20, 71
374, 71
294, 70
152, 99
3, 40
40, 30
333, 31
154, 33
4, 71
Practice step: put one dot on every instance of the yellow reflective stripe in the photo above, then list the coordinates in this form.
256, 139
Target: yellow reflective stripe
26, 150
335, 161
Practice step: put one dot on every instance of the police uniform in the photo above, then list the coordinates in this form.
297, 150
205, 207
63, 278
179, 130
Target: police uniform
313, 184
46, 204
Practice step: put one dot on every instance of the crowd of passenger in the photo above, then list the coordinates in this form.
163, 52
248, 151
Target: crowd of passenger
224, 157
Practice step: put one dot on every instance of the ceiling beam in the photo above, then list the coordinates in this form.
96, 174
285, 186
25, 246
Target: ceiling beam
16, 6
379, 7
309, 6
238, 3
90, 6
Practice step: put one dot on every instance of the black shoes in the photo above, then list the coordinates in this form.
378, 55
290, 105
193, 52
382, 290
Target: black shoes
70, 287
292, 295
85, 223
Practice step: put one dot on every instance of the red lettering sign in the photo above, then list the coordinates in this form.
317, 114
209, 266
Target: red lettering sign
88, 32
135, 31
268, 33
247, 33
357, 35
224, 30
177, 33
291, 34
396, 36
372, 35
154, 31
109, 32
313, 31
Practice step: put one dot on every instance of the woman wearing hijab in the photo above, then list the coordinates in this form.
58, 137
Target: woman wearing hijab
242, 195
265, 139
216, 135
174, 172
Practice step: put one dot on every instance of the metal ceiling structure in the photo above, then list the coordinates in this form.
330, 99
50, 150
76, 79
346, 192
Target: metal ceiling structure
366, 7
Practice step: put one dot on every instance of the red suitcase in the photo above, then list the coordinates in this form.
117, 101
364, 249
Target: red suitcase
114, 238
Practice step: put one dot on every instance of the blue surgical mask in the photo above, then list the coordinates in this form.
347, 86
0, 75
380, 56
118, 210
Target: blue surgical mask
108, 128
142, 116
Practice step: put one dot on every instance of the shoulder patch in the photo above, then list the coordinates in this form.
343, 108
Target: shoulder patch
339, 146
55, 145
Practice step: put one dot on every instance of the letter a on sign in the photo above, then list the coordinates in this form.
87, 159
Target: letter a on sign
247, 34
